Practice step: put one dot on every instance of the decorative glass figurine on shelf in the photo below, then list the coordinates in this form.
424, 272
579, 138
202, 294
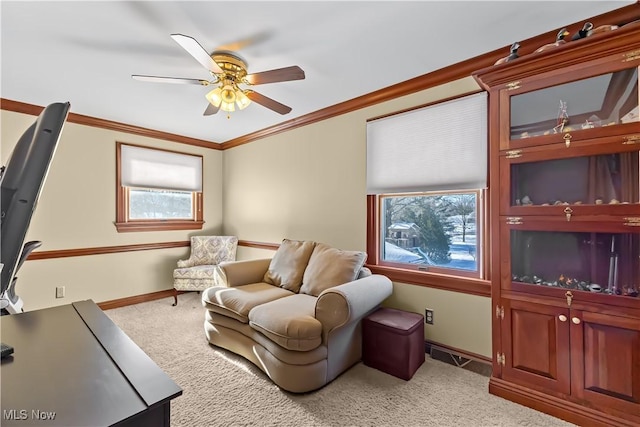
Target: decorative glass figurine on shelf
563, 117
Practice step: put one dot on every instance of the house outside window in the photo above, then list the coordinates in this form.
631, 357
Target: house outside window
157, 189
426, 186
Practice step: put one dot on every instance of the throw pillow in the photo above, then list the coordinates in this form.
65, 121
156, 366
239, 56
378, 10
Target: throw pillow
329, 267
288, 264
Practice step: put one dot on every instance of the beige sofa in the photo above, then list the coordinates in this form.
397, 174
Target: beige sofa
296, 316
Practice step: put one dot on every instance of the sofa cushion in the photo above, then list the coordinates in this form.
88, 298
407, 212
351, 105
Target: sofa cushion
285, 356
329, 267
288, 264
236, 302
289, 322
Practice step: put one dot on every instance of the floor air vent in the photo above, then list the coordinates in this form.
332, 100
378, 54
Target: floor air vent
453, 358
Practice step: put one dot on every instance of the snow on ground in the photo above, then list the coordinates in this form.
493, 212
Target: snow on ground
463, 253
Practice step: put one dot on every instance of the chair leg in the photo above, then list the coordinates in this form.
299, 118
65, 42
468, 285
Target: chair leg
175, 297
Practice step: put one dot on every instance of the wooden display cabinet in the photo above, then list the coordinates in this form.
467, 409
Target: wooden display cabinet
564, 221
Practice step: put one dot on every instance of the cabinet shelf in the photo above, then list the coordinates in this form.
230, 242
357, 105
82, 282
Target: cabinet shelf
605, 175
596, 262
599, 101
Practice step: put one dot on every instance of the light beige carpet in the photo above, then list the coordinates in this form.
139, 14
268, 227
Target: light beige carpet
222, 389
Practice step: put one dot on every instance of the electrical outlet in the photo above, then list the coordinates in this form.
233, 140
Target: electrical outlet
60, 292
428, 316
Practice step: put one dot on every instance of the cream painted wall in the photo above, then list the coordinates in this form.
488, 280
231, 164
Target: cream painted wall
97, 277
461, 321
307, 183
244, 252
77, 210
310, 183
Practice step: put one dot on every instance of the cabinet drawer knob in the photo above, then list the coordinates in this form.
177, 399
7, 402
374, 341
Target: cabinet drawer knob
562, 318
575, 320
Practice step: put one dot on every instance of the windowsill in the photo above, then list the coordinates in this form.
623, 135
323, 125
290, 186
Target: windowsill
434, 280
132, 226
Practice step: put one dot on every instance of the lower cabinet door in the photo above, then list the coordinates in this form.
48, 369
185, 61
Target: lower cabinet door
605, 361
536, 346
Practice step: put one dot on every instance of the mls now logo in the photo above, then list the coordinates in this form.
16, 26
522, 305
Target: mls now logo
23, 414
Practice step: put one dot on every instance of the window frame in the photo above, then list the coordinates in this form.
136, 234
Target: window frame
476, 274
434, 278
125, 224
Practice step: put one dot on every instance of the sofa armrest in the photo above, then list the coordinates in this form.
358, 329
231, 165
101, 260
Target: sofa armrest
351, 301
238, 273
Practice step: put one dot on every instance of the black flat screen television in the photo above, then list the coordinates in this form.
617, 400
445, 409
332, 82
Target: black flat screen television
20, 186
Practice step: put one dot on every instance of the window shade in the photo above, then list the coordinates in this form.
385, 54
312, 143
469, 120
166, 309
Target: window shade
149, 168
442, 147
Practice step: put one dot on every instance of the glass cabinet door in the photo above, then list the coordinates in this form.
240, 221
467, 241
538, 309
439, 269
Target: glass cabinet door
583, 180
596, 262
574, 108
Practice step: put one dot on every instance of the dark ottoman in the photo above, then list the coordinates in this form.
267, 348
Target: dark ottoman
393, 342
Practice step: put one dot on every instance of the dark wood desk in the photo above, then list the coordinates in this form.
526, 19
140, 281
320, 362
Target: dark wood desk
72, 366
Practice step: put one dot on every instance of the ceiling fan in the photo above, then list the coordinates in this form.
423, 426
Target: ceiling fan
229, 72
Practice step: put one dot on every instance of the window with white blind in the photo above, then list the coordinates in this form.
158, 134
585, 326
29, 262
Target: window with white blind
426, 182
157, 189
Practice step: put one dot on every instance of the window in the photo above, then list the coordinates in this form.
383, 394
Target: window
426, 185
431, 232
157, 189
160, 204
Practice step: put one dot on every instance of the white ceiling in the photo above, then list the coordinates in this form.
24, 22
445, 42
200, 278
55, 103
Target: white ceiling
85, 52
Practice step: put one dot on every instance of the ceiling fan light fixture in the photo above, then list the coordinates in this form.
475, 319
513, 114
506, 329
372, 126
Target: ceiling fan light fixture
215, 97
228, 94
225, 97
227, 106
242, 99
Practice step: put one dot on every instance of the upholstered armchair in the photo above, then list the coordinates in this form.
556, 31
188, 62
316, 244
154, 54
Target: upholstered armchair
197, 272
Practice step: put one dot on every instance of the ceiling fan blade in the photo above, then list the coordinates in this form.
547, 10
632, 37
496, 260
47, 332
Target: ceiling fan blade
268, 102
197, 51
176, 80
211, 110
278, 75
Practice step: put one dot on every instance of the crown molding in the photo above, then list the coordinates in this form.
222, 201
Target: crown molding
426, 81
34, 110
